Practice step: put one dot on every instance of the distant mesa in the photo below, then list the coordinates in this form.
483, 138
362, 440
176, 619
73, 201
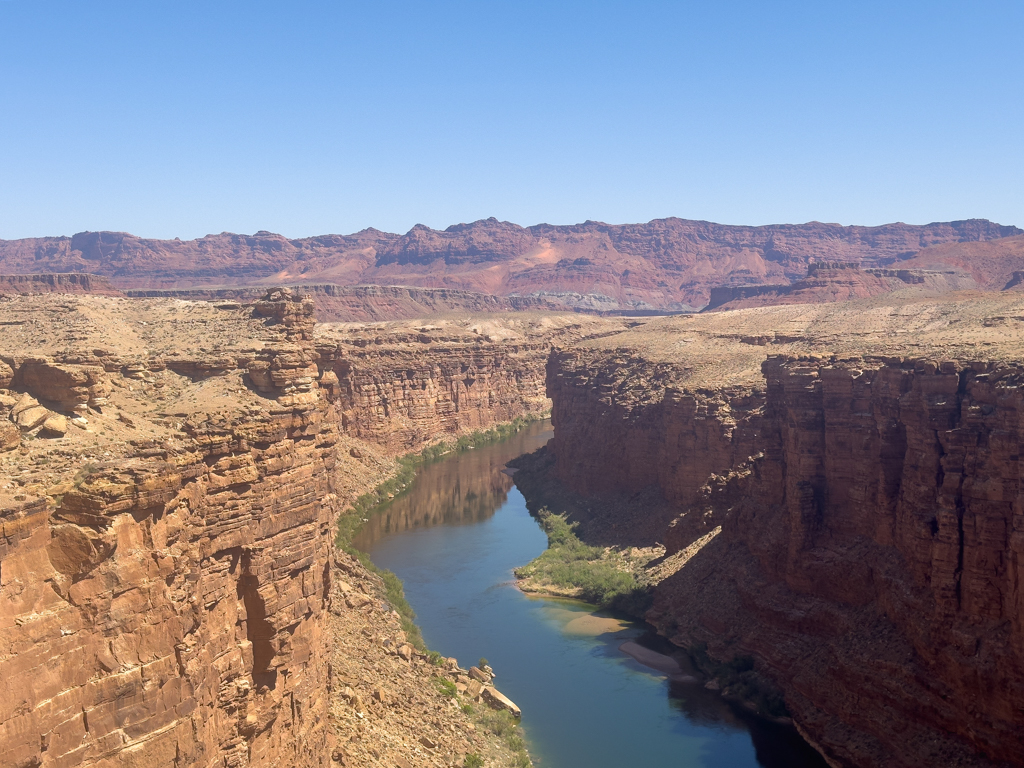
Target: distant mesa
661, 266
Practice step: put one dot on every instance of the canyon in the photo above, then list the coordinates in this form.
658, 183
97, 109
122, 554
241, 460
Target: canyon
666, 264
833, 487
170, 477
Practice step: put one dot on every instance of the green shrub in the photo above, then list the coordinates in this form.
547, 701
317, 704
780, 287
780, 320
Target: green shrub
473, 760
569, 563
497, 721
446, 687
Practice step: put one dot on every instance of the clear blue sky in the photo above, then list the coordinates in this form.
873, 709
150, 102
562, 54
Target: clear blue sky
175, 119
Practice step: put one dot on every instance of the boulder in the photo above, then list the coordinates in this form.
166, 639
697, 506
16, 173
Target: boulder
23, 403
478, 674
54, 426
10, 436
474, 688
70, 387
497, 700
30, 418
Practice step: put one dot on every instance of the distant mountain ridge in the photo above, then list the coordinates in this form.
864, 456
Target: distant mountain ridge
666, 263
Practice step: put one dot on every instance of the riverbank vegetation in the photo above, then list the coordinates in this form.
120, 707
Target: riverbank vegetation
499, 724
604, 576
350, 521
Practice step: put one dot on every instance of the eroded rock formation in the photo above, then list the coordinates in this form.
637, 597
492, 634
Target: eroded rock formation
166, 554
165, 607
828, 281
868, 507
355, 303
667, 263
68, 282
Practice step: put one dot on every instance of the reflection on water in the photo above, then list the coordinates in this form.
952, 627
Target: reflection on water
454, 539
458, 490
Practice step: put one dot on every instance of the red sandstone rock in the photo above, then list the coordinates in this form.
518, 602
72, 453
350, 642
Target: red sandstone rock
869, 551
338, 303
828, 281
666, 263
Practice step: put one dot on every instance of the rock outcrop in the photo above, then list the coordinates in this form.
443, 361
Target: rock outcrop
167, 607
360, 303
664, 264
170, 477
867, 508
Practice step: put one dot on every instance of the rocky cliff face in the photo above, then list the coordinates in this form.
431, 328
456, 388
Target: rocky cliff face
402, 399
403, 385
164, 606
68, 282
170, 476
666, 263
869, 517
337, 303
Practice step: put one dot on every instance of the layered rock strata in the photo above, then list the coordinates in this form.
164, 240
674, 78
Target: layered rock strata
170, 475
666, 263
402, 387
360, 303
68, 282
165, 606
867, 511
839, 281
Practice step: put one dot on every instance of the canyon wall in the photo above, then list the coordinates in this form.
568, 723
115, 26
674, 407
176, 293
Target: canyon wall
369, 303
403, 398
167, 510
165, 607
622, 425
870, 538
68, 282
839, 281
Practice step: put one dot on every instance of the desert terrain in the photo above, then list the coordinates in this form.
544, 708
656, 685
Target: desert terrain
827, 489
170, 478
667, 264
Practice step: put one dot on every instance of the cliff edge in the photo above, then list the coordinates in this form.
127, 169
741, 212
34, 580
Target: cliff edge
847, 496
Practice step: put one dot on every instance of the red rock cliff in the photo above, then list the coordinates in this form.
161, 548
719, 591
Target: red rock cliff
871, 536
167, 607
167, 510
666, 263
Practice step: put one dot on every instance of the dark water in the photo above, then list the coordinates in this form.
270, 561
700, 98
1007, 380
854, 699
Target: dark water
454, 539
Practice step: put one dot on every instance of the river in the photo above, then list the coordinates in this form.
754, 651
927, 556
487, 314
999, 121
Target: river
454, 538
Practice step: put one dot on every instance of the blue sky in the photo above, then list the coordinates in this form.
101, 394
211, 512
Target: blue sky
176, 119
